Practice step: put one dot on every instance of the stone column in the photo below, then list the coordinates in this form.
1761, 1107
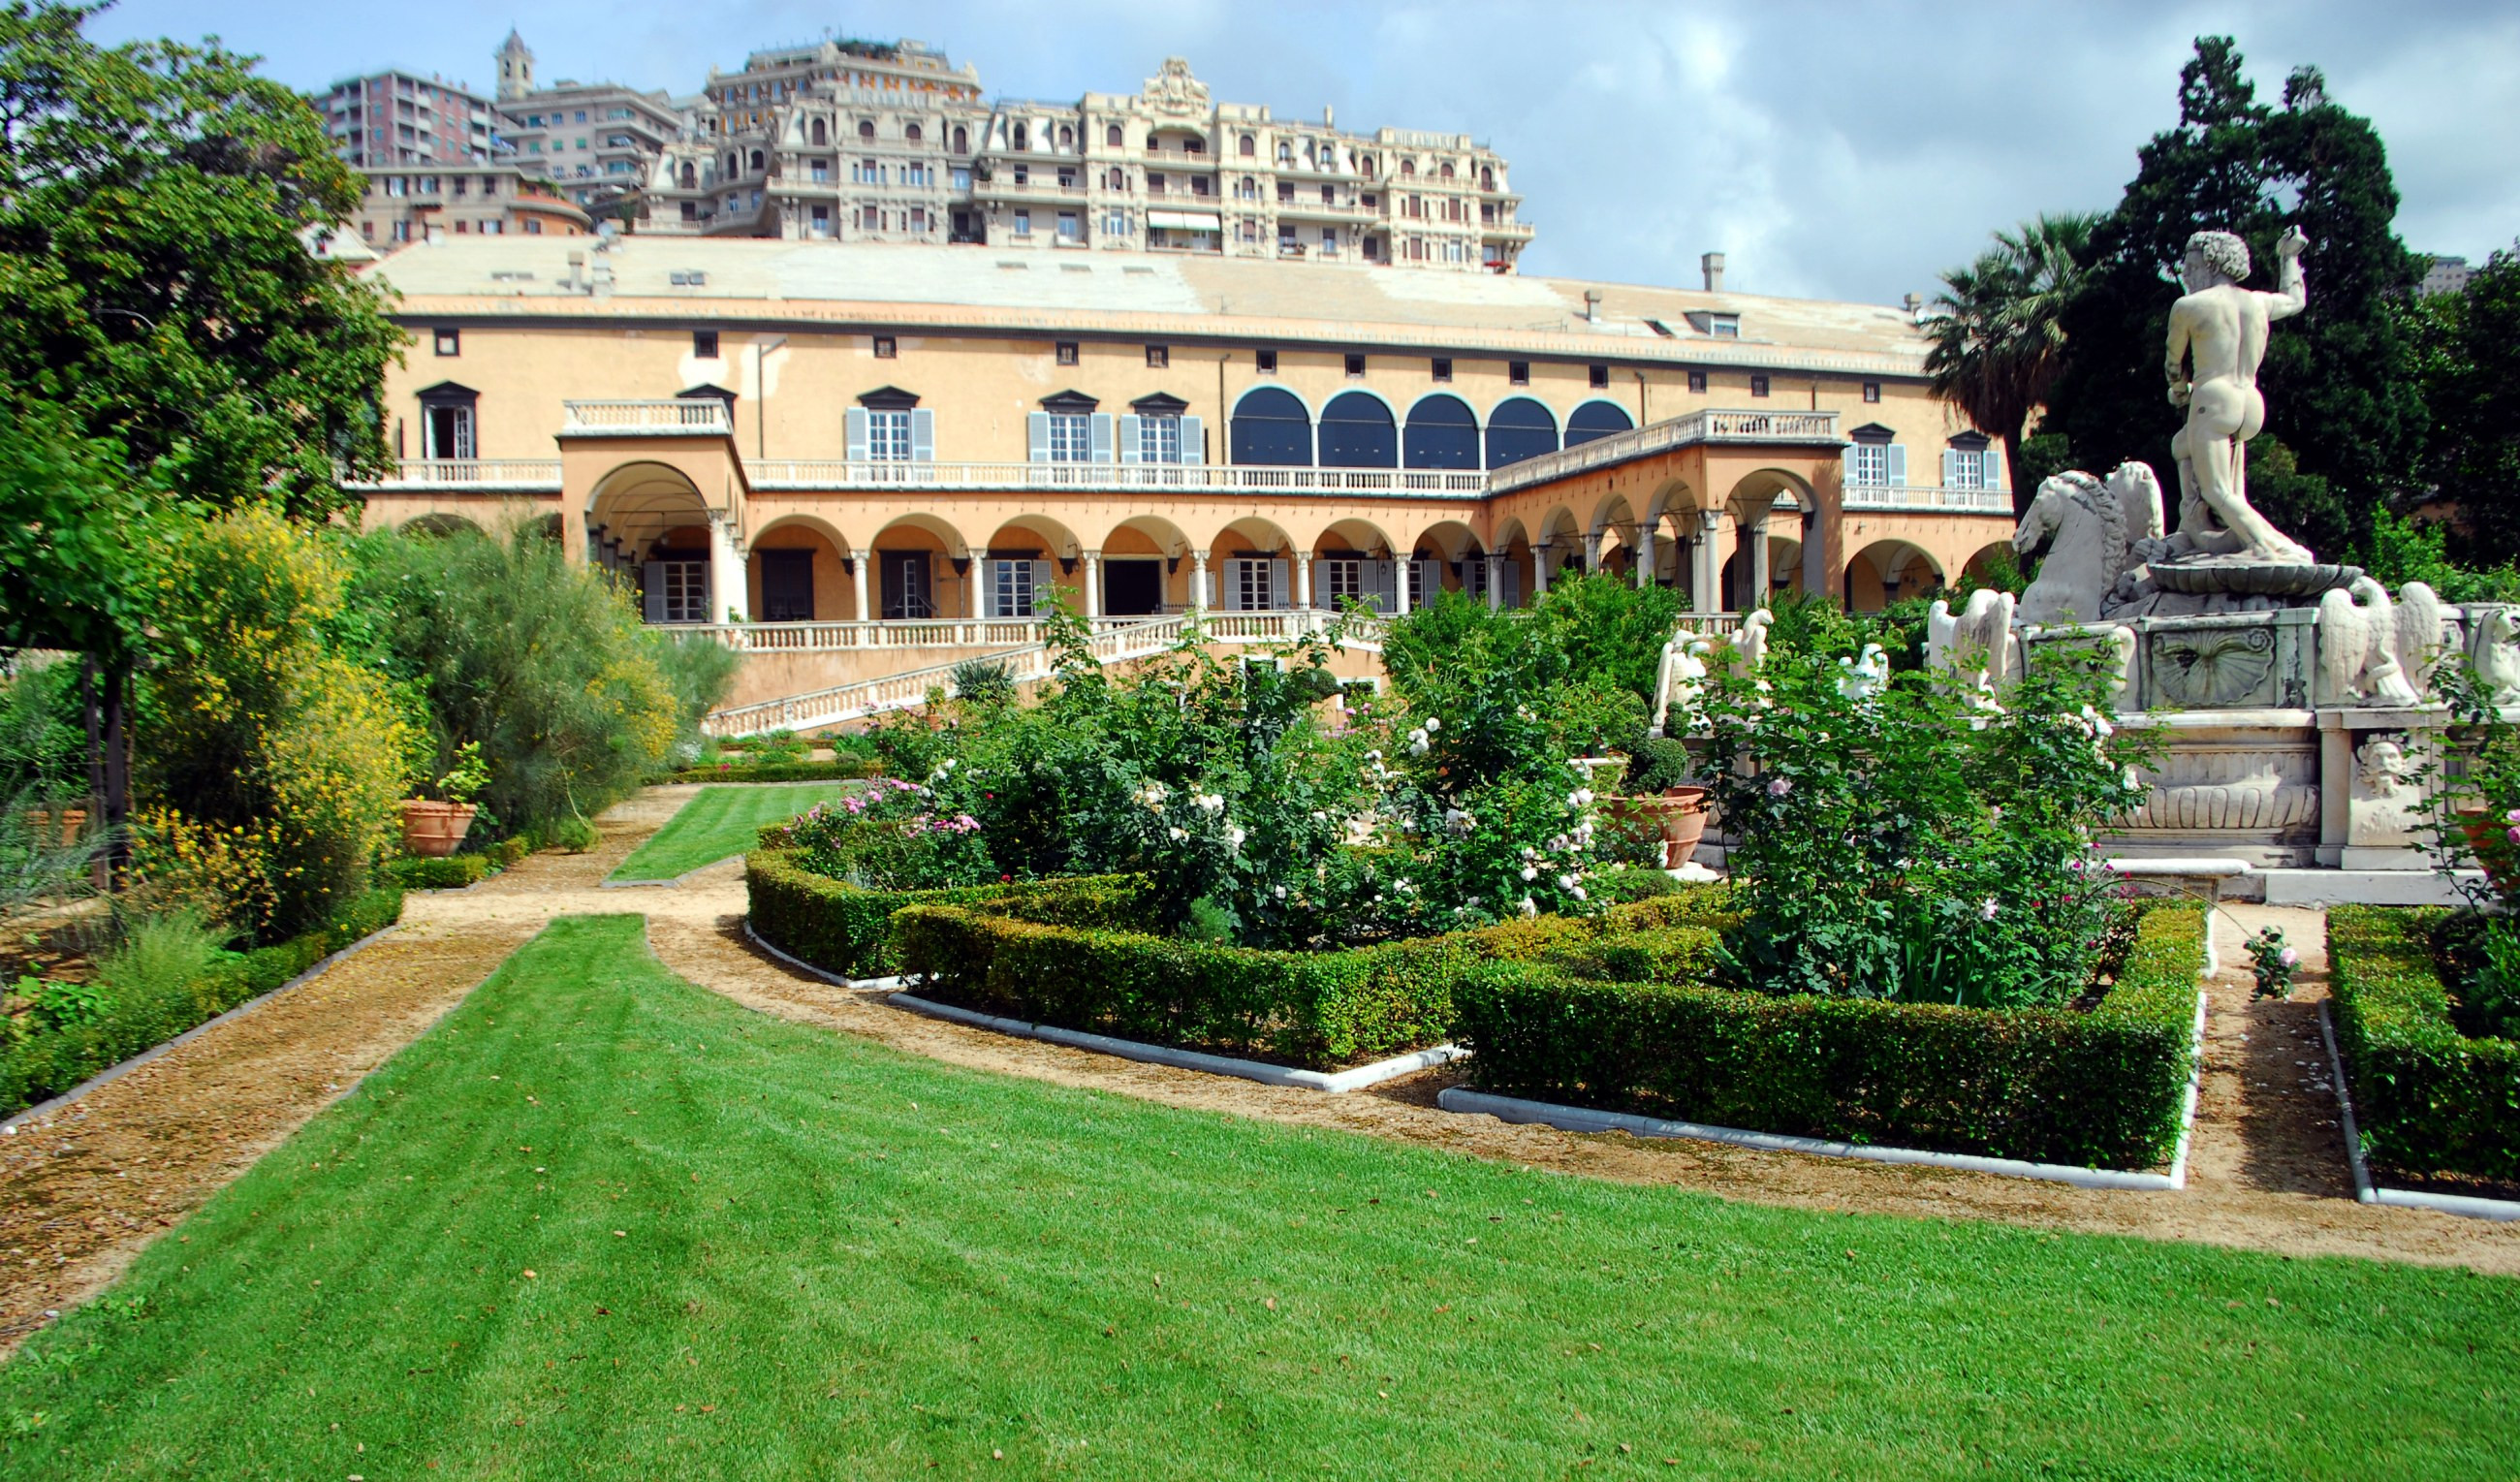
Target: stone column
858, 564
1198, 594
1540, 554
1761, 578
1496, 582
1710, 589
726, 568
1092, 585
1592, 552
1304, 579
1400, 585
1645, 572
973, 569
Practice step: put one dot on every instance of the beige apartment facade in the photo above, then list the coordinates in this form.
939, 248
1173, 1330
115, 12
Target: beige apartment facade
827, 433
596, 142
418, 204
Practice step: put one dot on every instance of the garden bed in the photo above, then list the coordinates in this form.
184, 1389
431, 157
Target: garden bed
840, 769
841, 928
2106, 1087
2437, 1109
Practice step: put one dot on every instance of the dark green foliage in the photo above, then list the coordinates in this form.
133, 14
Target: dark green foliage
984, 682
841, 928
2428, 1098
1998, 330
45, 1064
454, 872
2102, 1087
1678, 954
2338, 378
700, 671
840, 769
2400, 551
2468, 347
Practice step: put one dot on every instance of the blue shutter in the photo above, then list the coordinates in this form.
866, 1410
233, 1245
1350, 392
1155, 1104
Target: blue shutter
1993, 468
1040, 588
1194, 440
1277, 585
1037, 436
1099, 432
856, 433
1130, 451
1850, 474
1898, 466
1950, 468
923, 435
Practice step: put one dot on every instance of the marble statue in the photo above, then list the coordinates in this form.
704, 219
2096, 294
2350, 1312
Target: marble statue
2387, 795
2495, 651
1978, 642
2093, 532
2372, 650
2217, 338
1751, 643
1679, 683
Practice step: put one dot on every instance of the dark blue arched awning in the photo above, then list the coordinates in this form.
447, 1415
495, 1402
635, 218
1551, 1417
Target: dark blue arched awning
1518, 429
1596, 419
1442, 434
1357, 432
1270, 426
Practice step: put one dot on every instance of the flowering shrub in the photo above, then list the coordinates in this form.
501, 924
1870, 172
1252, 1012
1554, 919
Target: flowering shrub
1905, 836
2274, 961
894, 836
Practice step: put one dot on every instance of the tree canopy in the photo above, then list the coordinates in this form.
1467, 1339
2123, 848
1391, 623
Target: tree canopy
2468, 350
1998, 334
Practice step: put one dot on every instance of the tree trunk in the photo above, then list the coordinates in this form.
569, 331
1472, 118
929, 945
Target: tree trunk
2022, 492
106, 698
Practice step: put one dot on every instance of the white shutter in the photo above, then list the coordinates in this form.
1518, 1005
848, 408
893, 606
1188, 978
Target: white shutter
1994, 468
1898, 466
922, 434
1277, 585
1040, 588
1130, 451
1194, 440
652, 595
1950, 468
1037, 437
1100, 429
856, 432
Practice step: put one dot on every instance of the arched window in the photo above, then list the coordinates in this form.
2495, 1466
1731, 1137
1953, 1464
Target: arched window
1066, 137
735, 164
690, 177
1447, 171
912, 133
822, 135
1119, 178
756, 160
1518, 429
1023, 137
1487, 178
1114, 137
1357, 433
1370, 166
1596, 419
961, 140
1409, 166
1250, 146
866, 128
1442, 434
1272, 427
1286, 153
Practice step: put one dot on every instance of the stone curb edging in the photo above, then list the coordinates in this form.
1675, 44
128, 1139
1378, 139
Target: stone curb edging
609, 883
805, 966
2369, 1193
1505, 1108
12, 1125
1331, 1081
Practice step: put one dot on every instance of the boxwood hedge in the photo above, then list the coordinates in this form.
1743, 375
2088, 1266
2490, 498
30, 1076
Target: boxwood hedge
2428, 1098
841, 928
2100, 1088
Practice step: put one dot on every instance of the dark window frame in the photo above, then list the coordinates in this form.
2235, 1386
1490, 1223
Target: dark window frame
704, 345
1518, 373
1760, 385
1597, 377
887, 348
1160, 357
1066, 352
448, 342
1441, 368
1265, 361
1355, 366
1697, 382
1872, 393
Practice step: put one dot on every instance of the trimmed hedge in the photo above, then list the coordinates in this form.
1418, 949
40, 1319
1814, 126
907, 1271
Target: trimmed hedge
1316, 1010
46, 1064
2428, 1098
842, 769
841, 928
2102, 1087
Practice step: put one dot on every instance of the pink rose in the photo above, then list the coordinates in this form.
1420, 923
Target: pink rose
1779, 786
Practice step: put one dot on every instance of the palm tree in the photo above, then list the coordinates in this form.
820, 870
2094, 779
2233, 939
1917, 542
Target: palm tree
1998, 329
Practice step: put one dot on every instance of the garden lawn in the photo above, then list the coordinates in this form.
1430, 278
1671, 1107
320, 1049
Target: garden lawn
719, 823
600, 1222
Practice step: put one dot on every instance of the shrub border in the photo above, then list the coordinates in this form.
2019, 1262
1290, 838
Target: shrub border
2388, 1020
11, 1126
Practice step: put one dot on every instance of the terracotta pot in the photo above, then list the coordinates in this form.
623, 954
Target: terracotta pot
431, 828
1684, 827
2490, 840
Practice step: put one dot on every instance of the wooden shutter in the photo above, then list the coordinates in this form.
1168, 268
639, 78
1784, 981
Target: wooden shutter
1099, 435
1130, 451
1040, 588
1509, 581
1277, 585
1951, 468
856, 434
1994, 468
1194, 440
1898, 466
652, 591
922, 434
1037, 437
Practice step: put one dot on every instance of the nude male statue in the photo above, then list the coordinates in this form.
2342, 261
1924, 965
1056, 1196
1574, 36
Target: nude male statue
2218, 336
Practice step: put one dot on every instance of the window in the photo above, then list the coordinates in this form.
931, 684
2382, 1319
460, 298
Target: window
1012, 588
1759, 383
680, 592
961, 140
1356, 365
1069, 228
1697, 382
1071, 436
1024, 223
1286, 191
1724, 325
1868, 462
866, 129
888, 435
692, 279
1113, 136
912, 133
1597, 377
1115, 224
1159, 439
1518, 373
821, 170
1442, 369
450, 343
1265, 361
1160, 357
1119, 178
704, 345
1066, 351
906, 592
1871, 391
887, 348
1248, 147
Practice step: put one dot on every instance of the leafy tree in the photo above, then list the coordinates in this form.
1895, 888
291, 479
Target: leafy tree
2337, 377
151, 271
2469, 352
1998, 330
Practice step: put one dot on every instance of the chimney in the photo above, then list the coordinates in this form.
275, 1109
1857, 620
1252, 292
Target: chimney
1915, 304
1592, 306
1712, 264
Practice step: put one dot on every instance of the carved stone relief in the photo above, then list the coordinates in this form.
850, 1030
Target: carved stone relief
2214, 669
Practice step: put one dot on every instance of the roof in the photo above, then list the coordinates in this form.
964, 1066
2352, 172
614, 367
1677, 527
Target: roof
1179, 296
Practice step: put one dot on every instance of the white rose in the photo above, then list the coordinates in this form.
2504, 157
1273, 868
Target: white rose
1529, 873
1434, 724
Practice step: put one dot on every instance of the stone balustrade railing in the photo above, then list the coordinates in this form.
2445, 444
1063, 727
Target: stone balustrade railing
1928, 498
674, 417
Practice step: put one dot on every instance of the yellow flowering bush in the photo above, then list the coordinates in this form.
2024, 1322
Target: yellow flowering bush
222, 871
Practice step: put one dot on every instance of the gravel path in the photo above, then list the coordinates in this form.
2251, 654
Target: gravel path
82, 1192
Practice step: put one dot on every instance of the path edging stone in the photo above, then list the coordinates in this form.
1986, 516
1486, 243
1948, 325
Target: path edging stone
1332, 1081
2368, 1191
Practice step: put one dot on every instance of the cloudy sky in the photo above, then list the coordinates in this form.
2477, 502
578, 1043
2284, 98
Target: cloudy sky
1842, 149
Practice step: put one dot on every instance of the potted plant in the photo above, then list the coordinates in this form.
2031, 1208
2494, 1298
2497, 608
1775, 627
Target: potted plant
431, 828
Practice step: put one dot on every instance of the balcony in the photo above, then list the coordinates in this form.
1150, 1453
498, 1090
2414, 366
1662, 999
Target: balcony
1710, 426
698, 416
1165, 477
1940, 501
472, 476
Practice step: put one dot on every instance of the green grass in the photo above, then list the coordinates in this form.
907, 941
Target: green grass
720, 822
836, 1261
